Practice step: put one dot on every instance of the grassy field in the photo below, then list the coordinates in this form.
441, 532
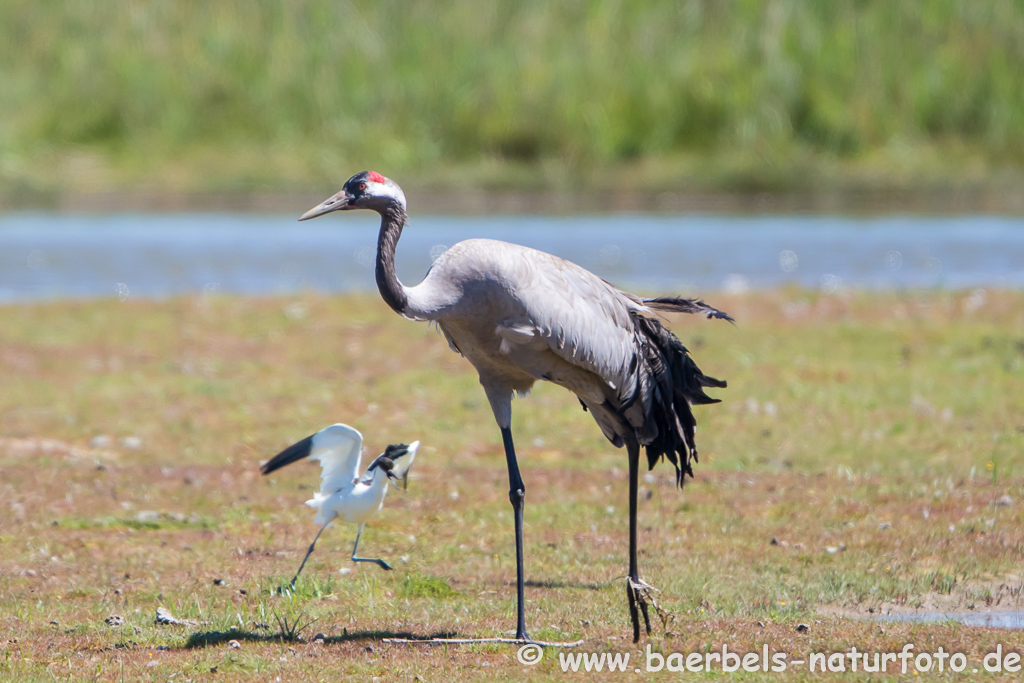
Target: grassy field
868, 459
738, 96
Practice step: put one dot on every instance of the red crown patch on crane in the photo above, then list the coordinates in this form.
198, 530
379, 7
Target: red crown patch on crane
376, 177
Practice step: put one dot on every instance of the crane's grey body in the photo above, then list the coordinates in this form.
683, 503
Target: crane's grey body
520, 315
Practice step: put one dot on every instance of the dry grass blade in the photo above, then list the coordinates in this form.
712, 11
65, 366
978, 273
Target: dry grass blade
290, 629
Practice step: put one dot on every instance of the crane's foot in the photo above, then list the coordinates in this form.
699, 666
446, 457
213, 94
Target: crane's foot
641, 597
635, 599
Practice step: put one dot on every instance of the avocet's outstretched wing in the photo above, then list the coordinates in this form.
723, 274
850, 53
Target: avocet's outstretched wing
339, 449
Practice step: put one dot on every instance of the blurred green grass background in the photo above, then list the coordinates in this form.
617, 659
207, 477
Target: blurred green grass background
701, 95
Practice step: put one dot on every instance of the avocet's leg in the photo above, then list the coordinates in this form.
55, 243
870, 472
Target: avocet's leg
308, 553
382, 563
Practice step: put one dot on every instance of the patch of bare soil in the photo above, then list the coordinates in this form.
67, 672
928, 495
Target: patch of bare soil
1005, 595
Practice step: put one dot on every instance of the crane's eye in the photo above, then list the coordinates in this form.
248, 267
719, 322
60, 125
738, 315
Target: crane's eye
362, 186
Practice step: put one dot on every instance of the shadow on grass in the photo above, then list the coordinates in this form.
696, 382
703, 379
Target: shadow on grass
213, 638
590, 585
380, 635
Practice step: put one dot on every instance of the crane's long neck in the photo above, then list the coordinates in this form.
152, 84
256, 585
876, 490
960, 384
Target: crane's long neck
391, 224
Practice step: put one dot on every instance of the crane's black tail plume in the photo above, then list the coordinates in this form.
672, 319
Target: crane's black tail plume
675, 384
671, 304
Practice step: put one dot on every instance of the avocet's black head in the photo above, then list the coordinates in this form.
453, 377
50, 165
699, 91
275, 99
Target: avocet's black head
393, 461
385, 464
366, 190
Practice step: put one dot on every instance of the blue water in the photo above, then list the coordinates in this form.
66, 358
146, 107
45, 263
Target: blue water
48, 255
1009, 620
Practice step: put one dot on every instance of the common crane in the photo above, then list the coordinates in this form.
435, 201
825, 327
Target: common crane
520, 315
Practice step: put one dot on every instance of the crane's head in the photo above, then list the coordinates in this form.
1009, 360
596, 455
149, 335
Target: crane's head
366, 190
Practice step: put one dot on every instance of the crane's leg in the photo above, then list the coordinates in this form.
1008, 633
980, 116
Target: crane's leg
308, 553
517, 495
382, 563
634, 585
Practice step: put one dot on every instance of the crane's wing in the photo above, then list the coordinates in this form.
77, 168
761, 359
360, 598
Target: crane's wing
577, 315
636, 368
592, 325
558, 322
338, 448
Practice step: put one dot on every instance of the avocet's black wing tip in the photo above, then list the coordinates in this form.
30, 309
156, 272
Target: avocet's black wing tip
297, 451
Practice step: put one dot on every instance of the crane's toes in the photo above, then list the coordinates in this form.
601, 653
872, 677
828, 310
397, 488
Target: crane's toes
643, 609
384, 565
633, 616
641, 595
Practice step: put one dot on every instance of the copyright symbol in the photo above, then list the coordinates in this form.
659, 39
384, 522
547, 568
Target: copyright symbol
530, 654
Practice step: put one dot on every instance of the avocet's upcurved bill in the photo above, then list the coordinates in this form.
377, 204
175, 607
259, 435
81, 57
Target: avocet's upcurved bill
343, 493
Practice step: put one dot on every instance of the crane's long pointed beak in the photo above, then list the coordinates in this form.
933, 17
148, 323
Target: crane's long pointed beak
338, 202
